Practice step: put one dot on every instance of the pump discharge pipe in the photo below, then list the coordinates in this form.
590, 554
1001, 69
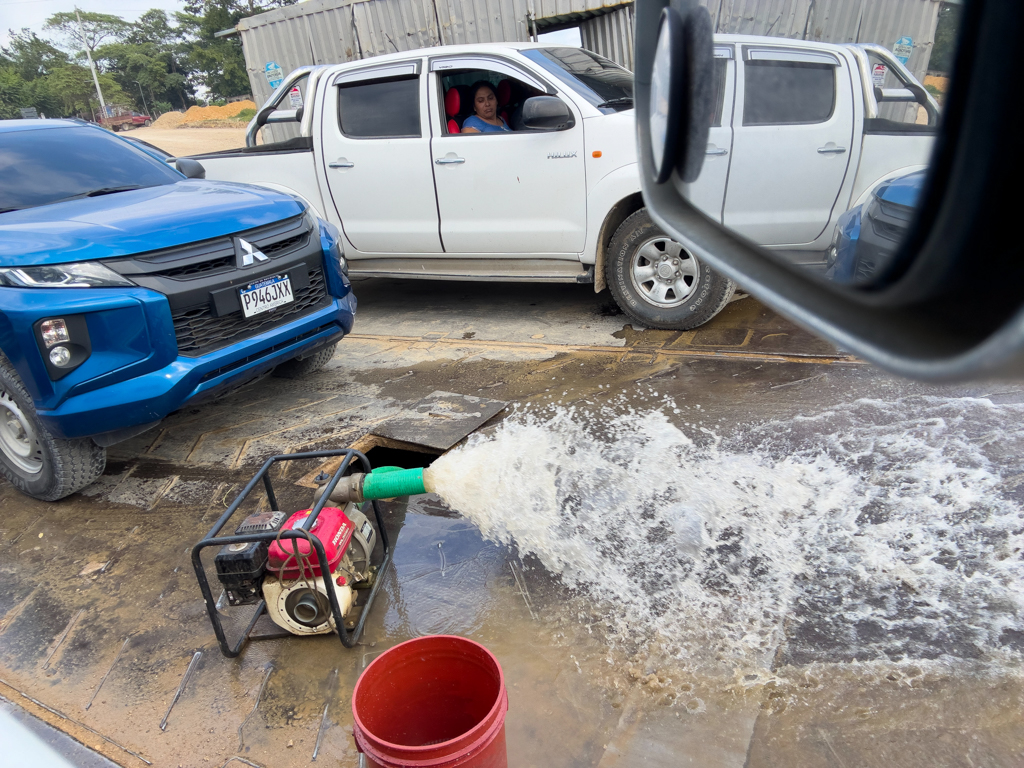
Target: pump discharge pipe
381, 483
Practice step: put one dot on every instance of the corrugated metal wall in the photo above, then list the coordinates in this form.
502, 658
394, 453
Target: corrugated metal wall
332, 31
834, 21
611, 35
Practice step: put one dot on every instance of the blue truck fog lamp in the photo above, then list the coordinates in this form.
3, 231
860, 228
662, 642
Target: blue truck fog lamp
54, 332
64, 343
85, 274
60, 356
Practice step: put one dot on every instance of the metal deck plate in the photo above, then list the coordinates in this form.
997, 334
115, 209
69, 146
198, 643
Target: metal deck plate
440, 420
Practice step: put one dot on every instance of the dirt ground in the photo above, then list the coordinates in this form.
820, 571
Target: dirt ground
192, 141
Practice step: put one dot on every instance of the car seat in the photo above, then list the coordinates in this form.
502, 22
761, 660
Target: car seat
452, 106
504, 94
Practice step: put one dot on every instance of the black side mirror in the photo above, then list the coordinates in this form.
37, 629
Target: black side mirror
192, 169
546, 113
951, 303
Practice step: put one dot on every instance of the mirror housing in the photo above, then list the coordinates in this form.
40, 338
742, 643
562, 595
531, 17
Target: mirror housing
952, 305
546, 113
192, 169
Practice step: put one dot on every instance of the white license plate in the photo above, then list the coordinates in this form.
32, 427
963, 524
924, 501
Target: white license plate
266, 294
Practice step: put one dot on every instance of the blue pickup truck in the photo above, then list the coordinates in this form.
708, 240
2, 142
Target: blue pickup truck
128, 289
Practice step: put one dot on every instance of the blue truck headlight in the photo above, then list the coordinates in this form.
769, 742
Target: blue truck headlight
84, 274
330, 240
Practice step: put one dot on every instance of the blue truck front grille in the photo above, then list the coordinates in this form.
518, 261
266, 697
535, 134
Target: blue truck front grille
199, 331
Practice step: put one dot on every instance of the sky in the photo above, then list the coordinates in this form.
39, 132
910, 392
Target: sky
15, 14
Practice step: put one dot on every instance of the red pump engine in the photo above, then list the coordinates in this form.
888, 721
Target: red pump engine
288, 573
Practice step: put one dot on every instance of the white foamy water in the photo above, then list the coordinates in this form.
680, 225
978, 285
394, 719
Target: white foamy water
872, 530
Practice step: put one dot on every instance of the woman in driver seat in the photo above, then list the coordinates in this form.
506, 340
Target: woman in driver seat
485, 108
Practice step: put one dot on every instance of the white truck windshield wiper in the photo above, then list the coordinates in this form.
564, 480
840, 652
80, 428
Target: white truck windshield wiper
622, 101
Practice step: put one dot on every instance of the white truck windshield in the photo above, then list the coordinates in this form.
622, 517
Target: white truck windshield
600, 81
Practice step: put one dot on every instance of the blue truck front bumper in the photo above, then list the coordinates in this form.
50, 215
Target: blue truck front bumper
134, 375
150, 397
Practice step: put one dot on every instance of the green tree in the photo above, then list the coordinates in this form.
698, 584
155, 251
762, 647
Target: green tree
95, 29
946, 32
152, 56
25, 67
32, 56
71, 89
13, 91
218, 62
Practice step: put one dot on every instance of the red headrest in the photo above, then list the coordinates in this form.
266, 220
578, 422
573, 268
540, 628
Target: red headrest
452, 102
453, 127
504, 93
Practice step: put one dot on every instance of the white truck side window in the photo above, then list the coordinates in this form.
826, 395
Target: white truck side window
718, 85
788, 92
380, 109
456, 89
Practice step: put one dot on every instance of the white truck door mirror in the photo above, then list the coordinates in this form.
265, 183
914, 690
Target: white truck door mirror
546, 113
192, 169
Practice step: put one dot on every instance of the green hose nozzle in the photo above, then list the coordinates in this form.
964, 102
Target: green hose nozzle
381, 483
388, 482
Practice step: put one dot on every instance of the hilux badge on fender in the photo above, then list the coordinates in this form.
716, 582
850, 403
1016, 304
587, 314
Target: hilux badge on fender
560, 155
246, 253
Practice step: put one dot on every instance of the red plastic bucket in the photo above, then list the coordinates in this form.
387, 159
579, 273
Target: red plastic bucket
432, 702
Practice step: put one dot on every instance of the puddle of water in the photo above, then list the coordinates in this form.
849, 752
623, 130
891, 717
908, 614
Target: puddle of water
874, 530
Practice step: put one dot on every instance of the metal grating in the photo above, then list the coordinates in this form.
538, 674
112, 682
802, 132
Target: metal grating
199, 332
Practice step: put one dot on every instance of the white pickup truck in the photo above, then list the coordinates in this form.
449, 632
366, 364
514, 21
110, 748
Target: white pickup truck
375, 146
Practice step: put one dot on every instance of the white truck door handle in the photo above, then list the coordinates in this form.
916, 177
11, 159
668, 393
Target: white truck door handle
341, 162
827, 150
450, 160
716, 152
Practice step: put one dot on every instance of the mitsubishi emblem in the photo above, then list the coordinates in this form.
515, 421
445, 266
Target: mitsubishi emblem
246, 254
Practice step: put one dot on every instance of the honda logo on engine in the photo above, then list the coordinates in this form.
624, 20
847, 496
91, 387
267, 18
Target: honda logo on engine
247, 254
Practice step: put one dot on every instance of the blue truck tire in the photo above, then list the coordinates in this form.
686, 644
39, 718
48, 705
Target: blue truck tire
297, 369
37, 463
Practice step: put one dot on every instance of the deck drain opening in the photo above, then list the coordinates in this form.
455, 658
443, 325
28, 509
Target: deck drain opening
385, 456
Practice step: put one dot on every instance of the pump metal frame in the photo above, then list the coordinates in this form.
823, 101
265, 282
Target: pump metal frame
348, 638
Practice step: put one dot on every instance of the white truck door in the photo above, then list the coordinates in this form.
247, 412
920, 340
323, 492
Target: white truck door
375, 142
792, 142
513, 193
708, 191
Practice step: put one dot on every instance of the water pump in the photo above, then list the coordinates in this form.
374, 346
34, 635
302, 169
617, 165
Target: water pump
286, 574
304, 570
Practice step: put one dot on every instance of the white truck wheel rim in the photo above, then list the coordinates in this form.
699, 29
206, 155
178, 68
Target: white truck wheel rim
18, 438
663, 273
